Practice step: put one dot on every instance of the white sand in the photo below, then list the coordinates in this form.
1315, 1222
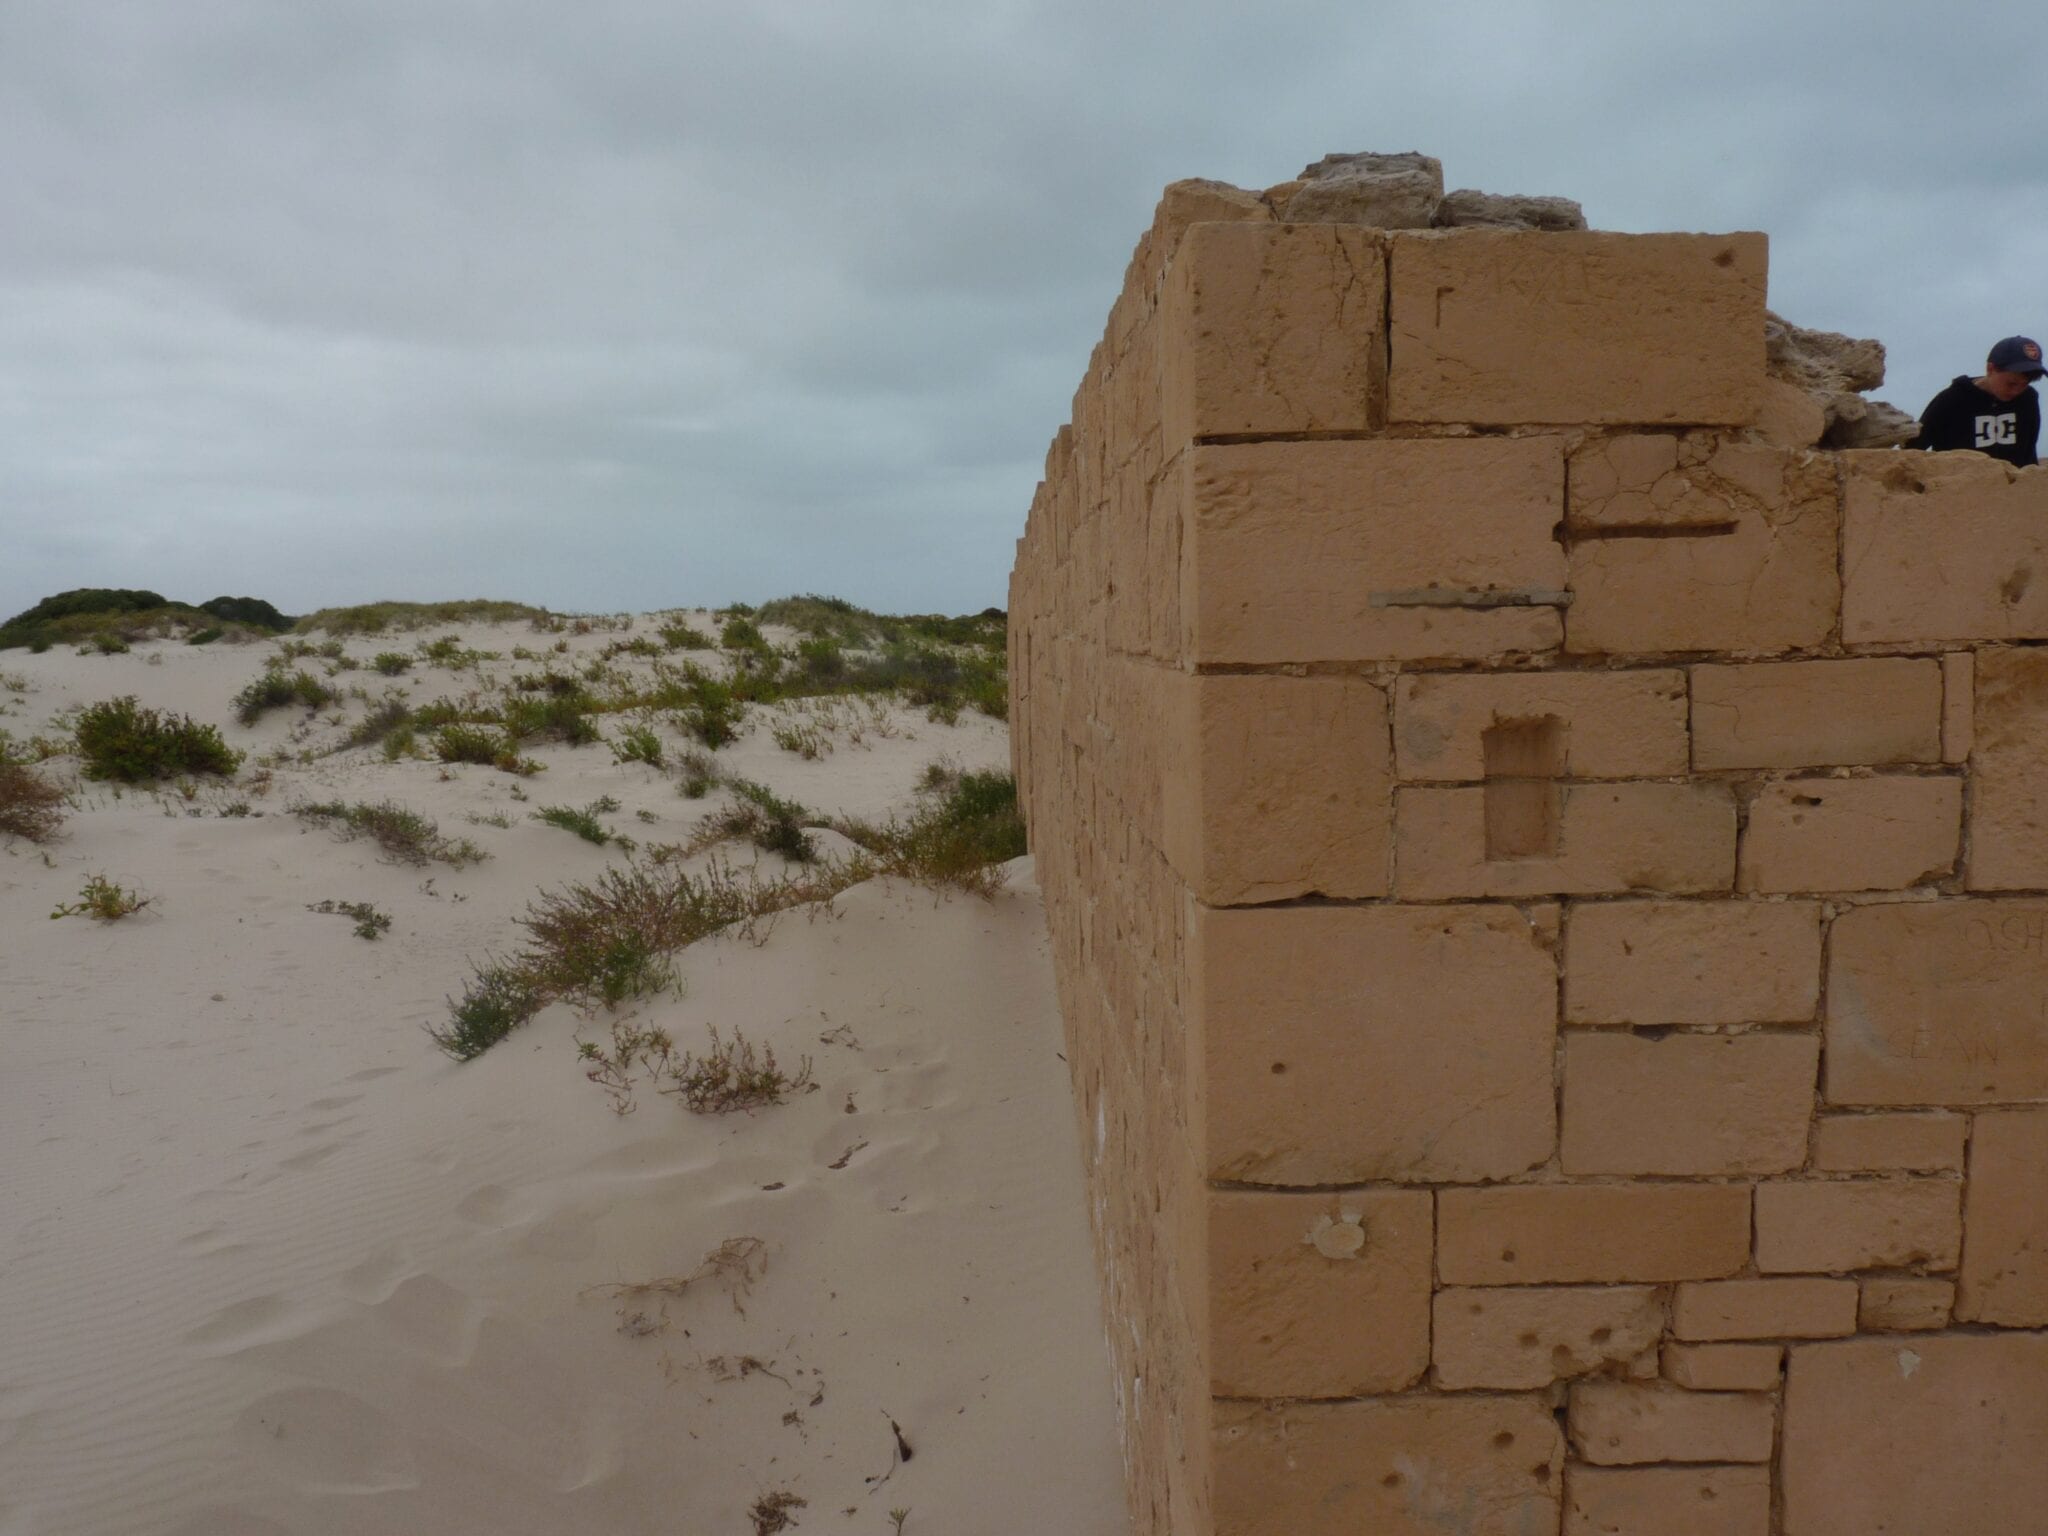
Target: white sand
270, 1263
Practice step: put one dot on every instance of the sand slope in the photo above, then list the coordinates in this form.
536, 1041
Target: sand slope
270, 1263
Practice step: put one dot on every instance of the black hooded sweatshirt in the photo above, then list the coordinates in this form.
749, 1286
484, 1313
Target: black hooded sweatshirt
1964, 416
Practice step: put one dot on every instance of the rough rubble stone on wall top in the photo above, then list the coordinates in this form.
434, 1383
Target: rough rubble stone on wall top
1468, 209
1269, 329
1385, 191
1516, 327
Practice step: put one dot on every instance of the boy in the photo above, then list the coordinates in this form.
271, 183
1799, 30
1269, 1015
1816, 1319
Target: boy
1998, 414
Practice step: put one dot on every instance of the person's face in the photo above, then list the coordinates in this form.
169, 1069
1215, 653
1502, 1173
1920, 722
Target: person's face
2002, 384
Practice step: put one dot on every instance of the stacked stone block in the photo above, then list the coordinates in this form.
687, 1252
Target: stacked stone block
1548, 880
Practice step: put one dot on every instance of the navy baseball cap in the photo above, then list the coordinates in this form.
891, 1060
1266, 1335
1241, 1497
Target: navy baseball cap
2018, 354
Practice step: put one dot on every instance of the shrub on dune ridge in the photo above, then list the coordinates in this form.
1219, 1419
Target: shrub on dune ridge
376, 618
276, 689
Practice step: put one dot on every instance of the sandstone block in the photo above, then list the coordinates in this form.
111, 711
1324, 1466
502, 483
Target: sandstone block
1506, 326
1368, 550
1667, 1501
1348, 1044
1881, 834
1765, 1309
1942, 546
1417, 1466
1958, 708
1277, 787
1318, 1295
1805, 714
1609, 839
1515, 1338
1271, 328
1724, 1367
1938, 1003
1905, 1304
1612, 725
2005, 1260
1915, 1143
2009, 799
1692, 962
1811, 1227
1788, 416
1687, 1104
1550, 1234
1621, 1423
1696, 544
1941, 1433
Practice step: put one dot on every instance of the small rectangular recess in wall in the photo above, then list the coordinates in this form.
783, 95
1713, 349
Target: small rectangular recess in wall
1523, 761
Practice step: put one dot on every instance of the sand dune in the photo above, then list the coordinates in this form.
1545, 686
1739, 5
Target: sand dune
270, 1263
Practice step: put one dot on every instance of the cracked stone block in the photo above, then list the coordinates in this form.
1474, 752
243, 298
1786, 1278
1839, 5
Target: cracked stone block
1268, 328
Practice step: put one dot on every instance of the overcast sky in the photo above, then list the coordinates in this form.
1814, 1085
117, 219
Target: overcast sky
639, 303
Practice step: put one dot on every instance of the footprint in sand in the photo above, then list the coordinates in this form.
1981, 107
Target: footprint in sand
370, 1074
327, 1442
243, 1324
336, 1101
374, 1279
488, 1205
432, 1319
225, 1521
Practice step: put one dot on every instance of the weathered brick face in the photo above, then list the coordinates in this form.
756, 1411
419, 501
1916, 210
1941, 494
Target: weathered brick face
1549, 892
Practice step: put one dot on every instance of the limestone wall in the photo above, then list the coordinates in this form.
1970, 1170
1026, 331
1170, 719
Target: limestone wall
1548, 875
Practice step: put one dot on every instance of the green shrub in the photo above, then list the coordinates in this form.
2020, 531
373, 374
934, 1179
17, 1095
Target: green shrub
496, 1001
387, 716
637, 744
391, 663
406, 837
376, 618
103, 901
765, 819
370, 923
684, 637
700, 774
251, 611
711, 714
205, 636
461, 743
105, 643
118, 739
740, 635
276, 689
967, 826
584, 822
557, 717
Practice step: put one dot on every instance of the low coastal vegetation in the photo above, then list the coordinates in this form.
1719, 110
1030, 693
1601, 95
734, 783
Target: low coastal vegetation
31, 807
103, 901
404, 836
121, 740
109, 619
601, 943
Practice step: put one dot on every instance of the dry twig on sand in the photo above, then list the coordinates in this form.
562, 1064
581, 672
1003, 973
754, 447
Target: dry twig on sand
735, 1263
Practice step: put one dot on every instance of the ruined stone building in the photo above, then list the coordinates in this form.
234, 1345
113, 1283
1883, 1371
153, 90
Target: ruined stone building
1547, 866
